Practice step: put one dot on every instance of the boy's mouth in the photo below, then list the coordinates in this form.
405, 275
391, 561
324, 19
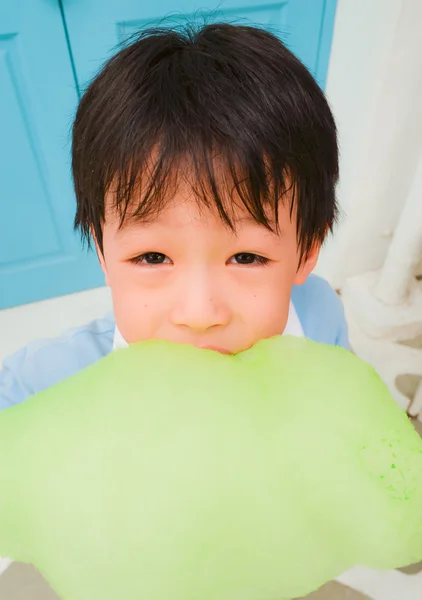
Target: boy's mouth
216, 349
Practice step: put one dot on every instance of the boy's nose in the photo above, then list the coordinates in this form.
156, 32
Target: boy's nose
198, 308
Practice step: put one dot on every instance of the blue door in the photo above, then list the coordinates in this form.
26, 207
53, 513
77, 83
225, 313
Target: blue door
47, 49
95, 27
40, 256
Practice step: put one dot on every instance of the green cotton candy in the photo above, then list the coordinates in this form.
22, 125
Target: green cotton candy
165, 472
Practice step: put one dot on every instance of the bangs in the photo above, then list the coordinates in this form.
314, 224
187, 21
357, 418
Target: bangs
220, 183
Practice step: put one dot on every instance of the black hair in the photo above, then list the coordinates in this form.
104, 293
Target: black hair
230, 101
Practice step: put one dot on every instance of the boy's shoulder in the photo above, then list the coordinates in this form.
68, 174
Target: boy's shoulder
44, 363
320, 311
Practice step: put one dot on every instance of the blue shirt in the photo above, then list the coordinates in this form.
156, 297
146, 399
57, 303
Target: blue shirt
46, 362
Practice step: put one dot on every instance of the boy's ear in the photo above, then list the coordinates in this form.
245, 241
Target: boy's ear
307, 265
100, 256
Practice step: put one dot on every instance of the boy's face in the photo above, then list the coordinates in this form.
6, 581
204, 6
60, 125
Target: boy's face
186, 277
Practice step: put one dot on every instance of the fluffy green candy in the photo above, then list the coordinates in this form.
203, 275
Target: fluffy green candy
170, 473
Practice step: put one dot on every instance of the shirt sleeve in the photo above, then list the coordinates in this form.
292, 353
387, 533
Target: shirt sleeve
342, 338
321, 312
12, 390
46, 362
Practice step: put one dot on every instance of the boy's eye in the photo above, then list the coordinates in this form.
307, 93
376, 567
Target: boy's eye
151, 258
248, 258
158, 258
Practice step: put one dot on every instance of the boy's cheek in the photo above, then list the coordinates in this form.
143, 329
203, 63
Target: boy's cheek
134, 326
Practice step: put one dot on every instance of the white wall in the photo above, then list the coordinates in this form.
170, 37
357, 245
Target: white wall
371, 96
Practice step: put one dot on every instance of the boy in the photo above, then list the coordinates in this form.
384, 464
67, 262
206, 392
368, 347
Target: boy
205, 166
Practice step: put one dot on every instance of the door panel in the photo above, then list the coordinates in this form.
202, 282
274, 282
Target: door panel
40, 255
